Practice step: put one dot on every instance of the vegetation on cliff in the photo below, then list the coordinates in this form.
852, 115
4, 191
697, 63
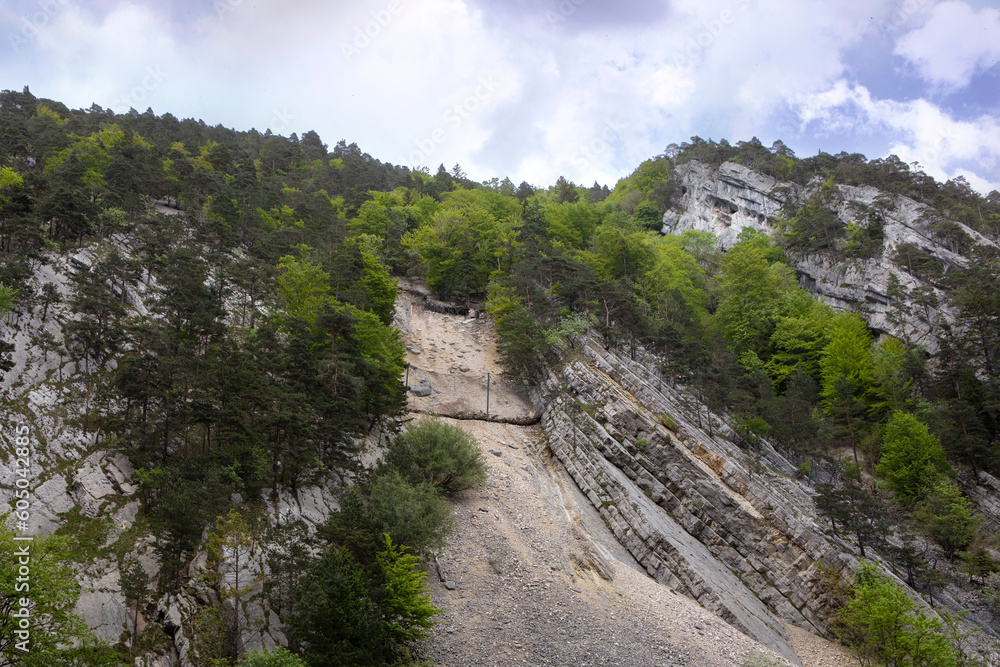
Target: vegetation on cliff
244, 343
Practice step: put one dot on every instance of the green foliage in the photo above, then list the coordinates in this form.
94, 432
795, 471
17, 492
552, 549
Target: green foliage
468, 239
213, 635
752, 286
414, 515
912, 458
278, 657
8, 299
523, 345
815, 227
9, 179
442, 454
852, 508
884, 627
345, 614
947, 517
303, 289
571, 224
847, 355
233, 541
673, 273
800, 336
407, 607
37, 623
135, 584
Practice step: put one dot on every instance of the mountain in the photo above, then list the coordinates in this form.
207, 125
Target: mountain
746, 375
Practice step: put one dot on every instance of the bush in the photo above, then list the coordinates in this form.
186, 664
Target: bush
881, 623
413, 514
438, 453
946, 517
279, 657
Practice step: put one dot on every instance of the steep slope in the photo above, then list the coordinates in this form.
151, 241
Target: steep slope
532, 572
733, 197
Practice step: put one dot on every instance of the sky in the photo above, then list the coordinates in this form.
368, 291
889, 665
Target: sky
537, 89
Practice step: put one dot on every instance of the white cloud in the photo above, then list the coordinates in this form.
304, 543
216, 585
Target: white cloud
924, 133
954, 44
587, 98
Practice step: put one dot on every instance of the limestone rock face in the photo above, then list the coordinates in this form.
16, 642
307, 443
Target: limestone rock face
728, 199
739, 538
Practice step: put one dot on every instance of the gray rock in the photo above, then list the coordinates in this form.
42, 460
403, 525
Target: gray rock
104, 612
728, 199
450, 585
422, 390
689, 514
464, 369
496, 452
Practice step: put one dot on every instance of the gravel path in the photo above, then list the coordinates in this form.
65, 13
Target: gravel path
532, 575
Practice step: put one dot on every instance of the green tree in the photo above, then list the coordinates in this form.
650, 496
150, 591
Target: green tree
135, 584
752, 287
846, 373
8, 299
414, 515
233, 543
442, 454
523, 346
406, 608
38, 592
912, 458
884, 627
947, 517
801, 334
847, 355
303, 288
853, 507
336, 619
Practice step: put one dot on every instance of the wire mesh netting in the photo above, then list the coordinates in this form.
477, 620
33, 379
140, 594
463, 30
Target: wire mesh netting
467, 395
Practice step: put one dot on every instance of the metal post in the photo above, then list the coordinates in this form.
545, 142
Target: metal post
487, 394
407, 380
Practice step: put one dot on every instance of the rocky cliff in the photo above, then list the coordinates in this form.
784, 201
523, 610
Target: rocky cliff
728, 199
688, 505
733, 526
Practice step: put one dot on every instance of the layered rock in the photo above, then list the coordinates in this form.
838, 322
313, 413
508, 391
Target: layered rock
697, 512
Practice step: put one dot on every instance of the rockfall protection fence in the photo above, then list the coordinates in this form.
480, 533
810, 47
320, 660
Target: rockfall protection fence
486, 397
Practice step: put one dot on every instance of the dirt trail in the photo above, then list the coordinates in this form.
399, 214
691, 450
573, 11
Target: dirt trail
532, 575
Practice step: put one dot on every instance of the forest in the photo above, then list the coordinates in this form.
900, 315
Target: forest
264, 348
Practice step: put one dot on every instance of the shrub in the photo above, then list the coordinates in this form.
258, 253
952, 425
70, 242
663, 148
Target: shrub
881, 623
279, 657
348, 614
667, 422
413, 514
438, 453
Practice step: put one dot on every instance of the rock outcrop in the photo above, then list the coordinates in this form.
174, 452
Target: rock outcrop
694, 509
728, 199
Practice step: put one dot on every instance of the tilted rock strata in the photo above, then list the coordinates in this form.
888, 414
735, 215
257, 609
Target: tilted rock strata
745, 546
